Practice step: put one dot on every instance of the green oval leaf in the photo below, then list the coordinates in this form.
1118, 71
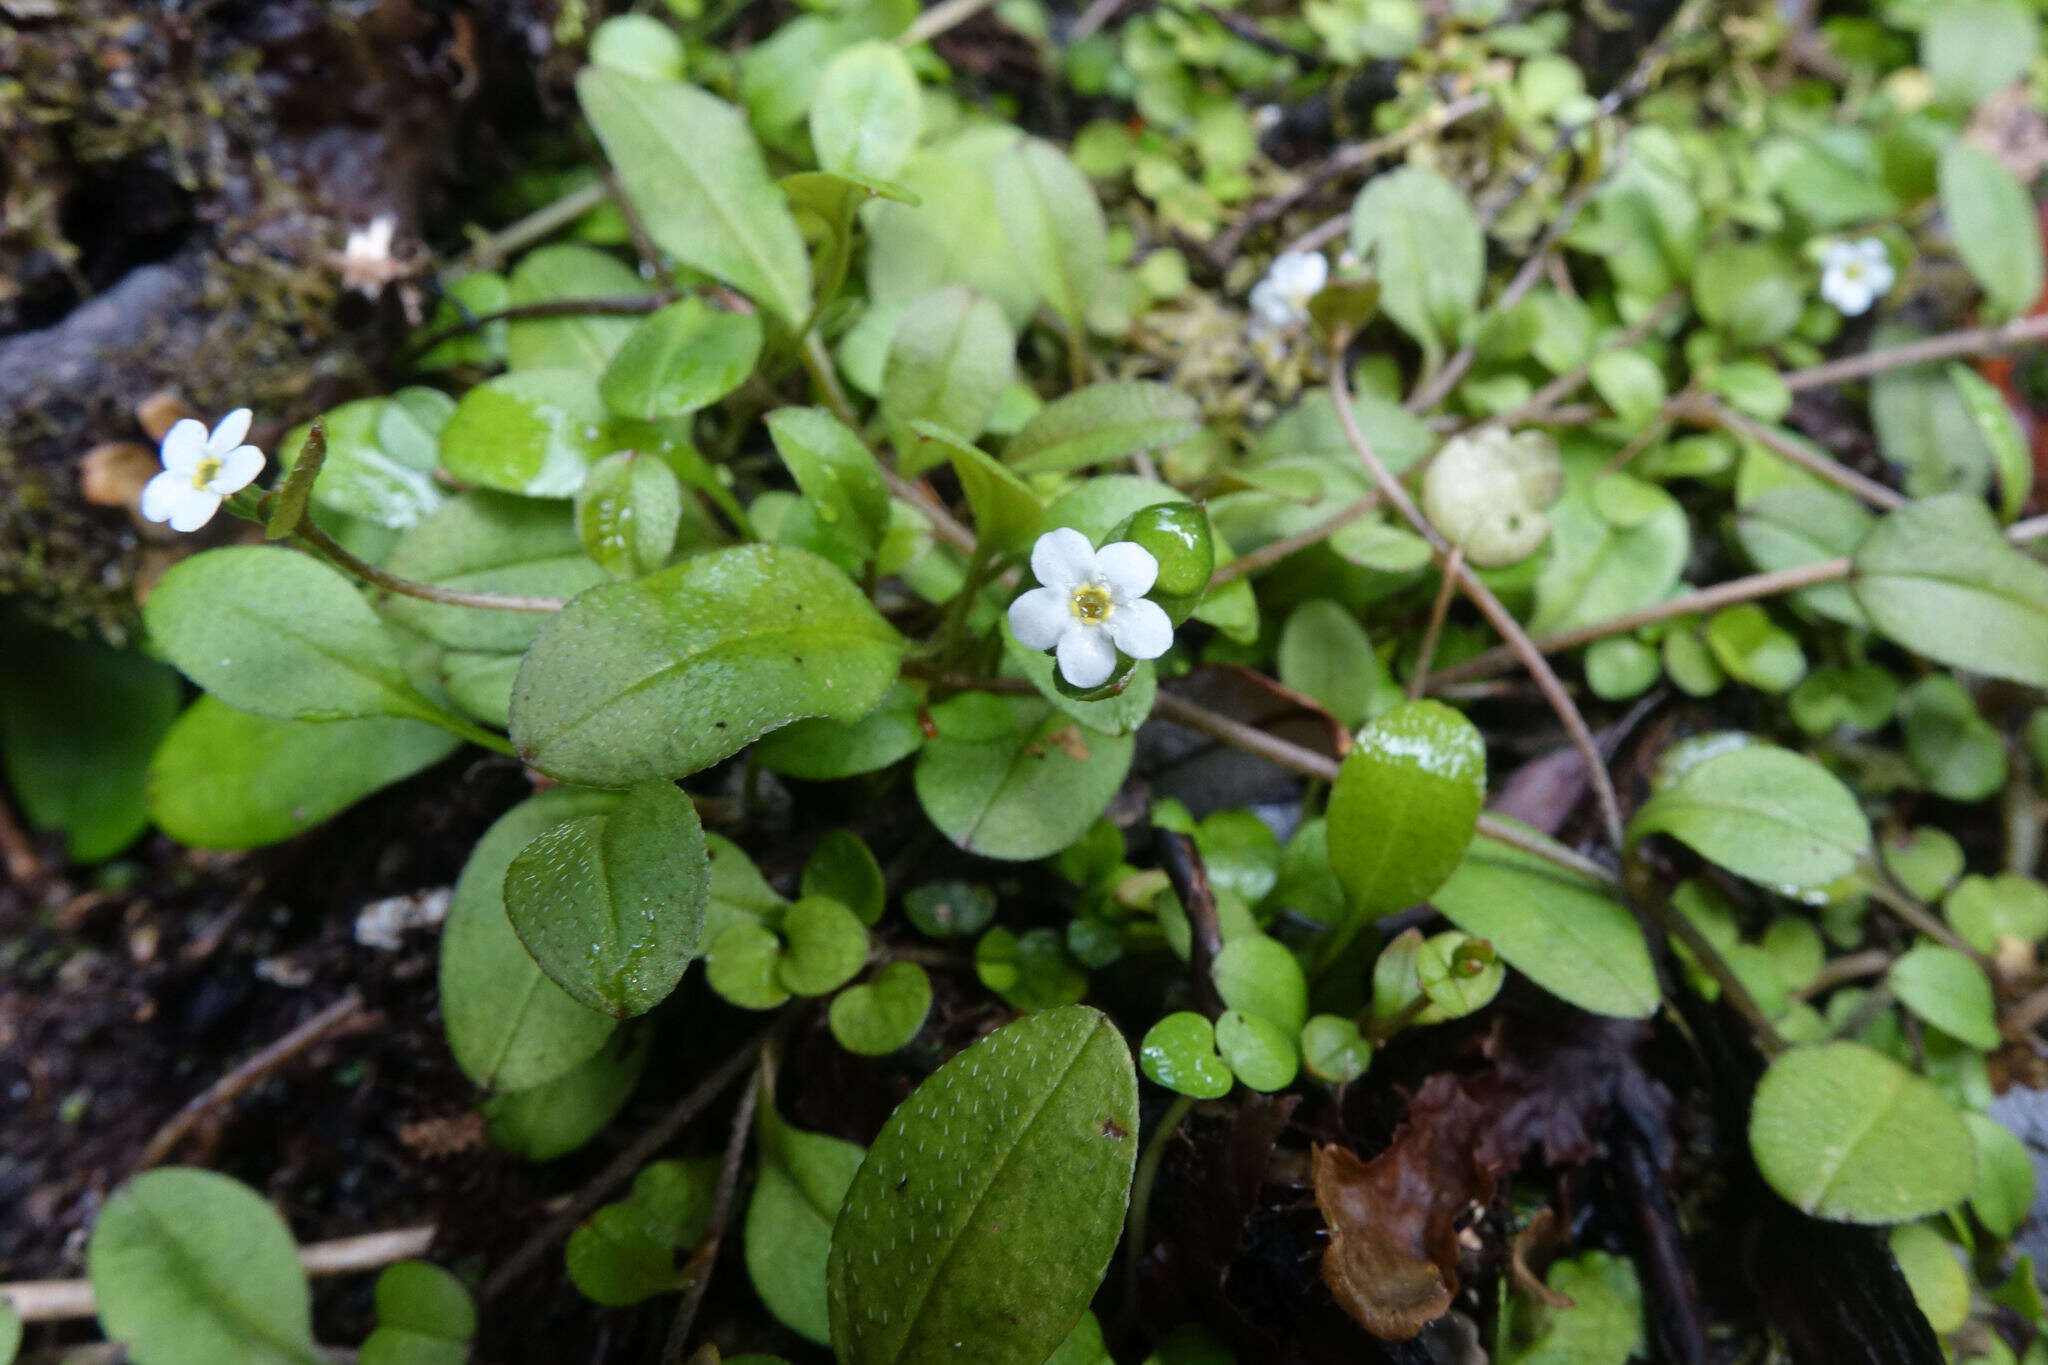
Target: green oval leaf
692, 168
867, 114
578, 341
611, 904
879, 1016
556, 1117
667, 674
1555, 927
1937, 577
488, 542
532, 432
685, 357
275, 632
1404, 805
1991, 216
989, 1204
1023, 786
192, 1268
837, 474
1421, 234
1054, 225
950, 359
1947, 990
1763, 813
509, 1026
627, 513
1102, 422
1847, 1134
803, 1182
1179, 1052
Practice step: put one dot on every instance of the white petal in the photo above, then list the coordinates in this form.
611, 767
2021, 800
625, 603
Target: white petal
1141, 630
160, 495
238, 469
230, 432
1087, 658
1127, 569
195, 508
1851, 296
1871, 251
170, 498
1880, 277
184, 446
1062, 558
1300, 273
1837, 254
1040, 617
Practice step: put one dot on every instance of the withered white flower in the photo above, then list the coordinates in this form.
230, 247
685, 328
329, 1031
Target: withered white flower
1854, 275
200, 470
1487, 491
1090, 605
1280, 301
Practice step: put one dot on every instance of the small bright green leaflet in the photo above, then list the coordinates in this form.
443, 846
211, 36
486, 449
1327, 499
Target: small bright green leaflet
1602, 1324
1937, 577
627, 513
556, 1117
1764, 813
640, 43
1404, 805
532, 432
1100, 423
1599, 567
691, 166
664, 675
1941, 1288
950, 359
1326, 655
1425, 242
989, 1204
867, 114
488, 542
1054, 225
1924, 423
578, 341
837, 475
1024, 788
1006, 512
1261, 976
1031, 970
779, 77
1991, 217
1555, 927
1847, 1134
625, 1252
741, 962
1956, 751
227, 779
884, 1014
1986, 909
949, 909
1947, 990
1261, 1053
2010, 458
1333, 1049
78, 723
424, 1317
1749, 645
844, 869
278, 633
802, 1184
611, 904
1179, 1052
1927, 862
509, 1026
358, 474
685, 357
192, 1268
2005, 1176
824, 945
824, 750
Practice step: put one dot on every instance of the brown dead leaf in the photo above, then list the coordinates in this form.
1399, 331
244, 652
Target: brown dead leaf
161, 411
112, 474
1534, 1246
1392, 1262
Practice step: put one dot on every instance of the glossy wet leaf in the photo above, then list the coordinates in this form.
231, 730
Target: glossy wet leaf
1947, 990
1100, 423
358, 474
489, 542
1261, 976
556, 1117
192, 1268
1179, 1052
802, 1183
950, 359
1764, 813
670, 673
1404, 805
509, 1026
611, 904
1937, 577
837, 474
1561, 930
1258, 1051
1847, 1134
881, 1015
227, 779
691, 166
682, 358
822, 750
532, 432
79, 721
627, 512
565, 271
867, 114
1023, 787
988, 1206
279, 633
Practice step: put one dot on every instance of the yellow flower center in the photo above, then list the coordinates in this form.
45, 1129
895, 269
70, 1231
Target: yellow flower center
1090, 603
205, 472
1853, 271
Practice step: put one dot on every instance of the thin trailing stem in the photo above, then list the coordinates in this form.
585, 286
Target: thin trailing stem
1419, 679
1541, 405
1975, 341
1142, 1182
1714, 413
1273, 552
324, 545
1920, 919
542, 223
631, 305
705, 1256
938, 19
1482, 597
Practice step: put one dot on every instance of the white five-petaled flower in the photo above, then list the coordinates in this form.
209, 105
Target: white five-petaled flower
1854, 275
200, 470
1092, 604
1280, 301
